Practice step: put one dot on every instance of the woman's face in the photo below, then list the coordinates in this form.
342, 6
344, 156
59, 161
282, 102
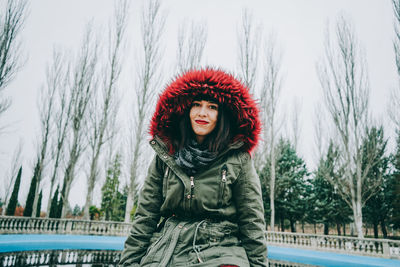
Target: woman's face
203, 117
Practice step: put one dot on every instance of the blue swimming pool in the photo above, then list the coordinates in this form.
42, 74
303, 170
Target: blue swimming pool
14, 243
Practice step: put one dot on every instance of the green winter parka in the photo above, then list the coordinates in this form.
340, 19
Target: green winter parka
213, 218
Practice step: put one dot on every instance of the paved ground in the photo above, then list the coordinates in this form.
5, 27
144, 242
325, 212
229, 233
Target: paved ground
9, 243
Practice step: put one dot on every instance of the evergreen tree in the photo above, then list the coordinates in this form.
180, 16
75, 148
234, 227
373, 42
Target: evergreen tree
54, 205
376, 210
94, 212
39, 205
291, 185
120, 213
77, 211
111, 197
31, 195
394, 199
14, 195
328, 206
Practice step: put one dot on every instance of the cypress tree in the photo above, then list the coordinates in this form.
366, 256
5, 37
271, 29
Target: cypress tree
14, 196
31, 195
39, 205
54, 204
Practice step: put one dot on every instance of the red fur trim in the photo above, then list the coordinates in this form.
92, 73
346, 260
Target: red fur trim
178, 95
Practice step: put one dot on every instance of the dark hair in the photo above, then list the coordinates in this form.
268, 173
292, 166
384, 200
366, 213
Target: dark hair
217, 140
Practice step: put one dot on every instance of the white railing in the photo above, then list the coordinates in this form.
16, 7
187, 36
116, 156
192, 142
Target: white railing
340, 244
28, 225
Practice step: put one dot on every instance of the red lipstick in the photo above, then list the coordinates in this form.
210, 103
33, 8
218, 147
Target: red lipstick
201, 122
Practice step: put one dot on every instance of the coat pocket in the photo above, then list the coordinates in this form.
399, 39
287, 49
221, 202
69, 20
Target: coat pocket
222, 186
148, 258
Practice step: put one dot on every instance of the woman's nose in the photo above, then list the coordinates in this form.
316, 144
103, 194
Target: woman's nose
203, 111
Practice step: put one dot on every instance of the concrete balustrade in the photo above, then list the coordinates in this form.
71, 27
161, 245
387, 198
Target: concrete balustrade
27, 225
340, 244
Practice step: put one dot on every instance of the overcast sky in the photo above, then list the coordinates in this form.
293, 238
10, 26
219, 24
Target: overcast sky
298, 24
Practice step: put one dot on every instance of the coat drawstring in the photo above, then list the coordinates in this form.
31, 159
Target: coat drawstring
197, 248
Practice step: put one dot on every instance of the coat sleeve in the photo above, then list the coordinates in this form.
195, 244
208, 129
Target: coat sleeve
250, 213
146, 217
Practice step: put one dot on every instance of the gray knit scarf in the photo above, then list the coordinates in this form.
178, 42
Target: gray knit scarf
194, 157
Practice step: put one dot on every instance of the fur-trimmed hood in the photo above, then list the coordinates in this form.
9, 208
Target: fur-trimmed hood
179, 94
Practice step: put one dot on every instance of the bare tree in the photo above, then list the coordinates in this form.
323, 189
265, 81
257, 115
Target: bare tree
249, 46
270, 93
324, 132
344, 80
10, 177
12, 19
148, 81
83, 82
46, 106
104, 110
191, 43
393, 108
58, 77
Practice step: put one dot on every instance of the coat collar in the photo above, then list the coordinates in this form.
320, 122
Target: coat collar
161, 150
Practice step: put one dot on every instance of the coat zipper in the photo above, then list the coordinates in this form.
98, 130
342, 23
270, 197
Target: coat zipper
191, 192
222, 186
165, 183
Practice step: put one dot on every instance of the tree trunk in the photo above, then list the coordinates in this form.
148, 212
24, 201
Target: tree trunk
133, 173
36, 196
359, 222
129, 206
352, 229
91, 182
344, 229
89, 198
357, 214
272, 190
326, 228
375, 225
53, 179
338, 229
64, 196
383, 227
292, 226
69, 173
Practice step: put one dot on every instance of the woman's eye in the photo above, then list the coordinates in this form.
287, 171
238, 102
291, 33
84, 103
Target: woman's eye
195, 104
214, 107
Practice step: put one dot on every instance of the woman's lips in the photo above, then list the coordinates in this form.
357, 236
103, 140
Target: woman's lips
201, 122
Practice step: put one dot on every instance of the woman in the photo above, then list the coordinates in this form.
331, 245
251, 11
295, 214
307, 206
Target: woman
201, 202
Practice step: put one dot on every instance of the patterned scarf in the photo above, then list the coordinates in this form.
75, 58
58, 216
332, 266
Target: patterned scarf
194, 157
